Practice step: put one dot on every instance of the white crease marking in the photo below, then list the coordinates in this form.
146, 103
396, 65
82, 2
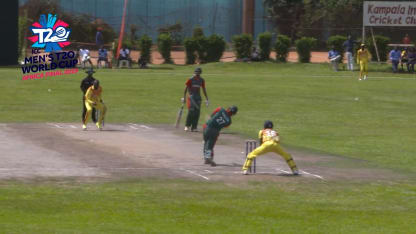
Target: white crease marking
72, 126
144, 126
133, 127
318, 176
55, 125
194, 173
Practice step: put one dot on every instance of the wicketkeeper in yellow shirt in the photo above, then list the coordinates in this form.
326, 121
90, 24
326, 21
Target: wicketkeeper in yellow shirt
362, 58
93, 100
269, 142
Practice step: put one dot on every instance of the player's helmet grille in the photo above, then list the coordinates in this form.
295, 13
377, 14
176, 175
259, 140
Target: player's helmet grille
198, 70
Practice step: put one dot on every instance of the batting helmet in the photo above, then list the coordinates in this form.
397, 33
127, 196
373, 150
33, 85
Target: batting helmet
268, 124
233, 109
198, 70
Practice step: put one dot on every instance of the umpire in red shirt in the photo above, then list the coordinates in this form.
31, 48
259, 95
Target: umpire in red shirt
193, 85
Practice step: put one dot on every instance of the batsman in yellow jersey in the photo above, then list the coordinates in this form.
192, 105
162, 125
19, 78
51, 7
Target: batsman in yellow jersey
269, 142
93, 100
362, 58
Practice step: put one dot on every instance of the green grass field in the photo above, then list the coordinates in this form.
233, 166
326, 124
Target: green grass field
313, 108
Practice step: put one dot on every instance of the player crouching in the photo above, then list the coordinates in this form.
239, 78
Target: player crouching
93, 100
269, 142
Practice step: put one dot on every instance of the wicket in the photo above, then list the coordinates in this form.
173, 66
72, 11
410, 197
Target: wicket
250, 146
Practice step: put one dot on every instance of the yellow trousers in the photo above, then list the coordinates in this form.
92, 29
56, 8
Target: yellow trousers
266, 147
99, 106
363, 68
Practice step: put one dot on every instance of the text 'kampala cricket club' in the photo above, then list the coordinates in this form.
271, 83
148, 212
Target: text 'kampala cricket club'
51, 35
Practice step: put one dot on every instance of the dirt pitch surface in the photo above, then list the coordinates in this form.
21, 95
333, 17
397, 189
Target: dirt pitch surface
39, 151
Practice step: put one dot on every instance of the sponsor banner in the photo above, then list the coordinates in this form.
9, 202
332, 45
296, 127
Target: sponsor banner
389, 13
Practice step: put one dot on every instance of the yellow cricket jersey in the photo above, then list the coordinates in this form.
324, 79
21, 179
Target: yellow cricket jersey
93, 95
268, 135
363, 55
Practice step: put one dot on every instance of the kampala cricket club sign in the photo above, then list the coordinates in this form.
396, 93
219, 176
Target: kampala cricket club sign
51, 35
389, 13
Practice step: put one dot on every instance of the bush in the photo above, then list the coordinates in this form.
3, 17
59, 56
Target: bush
242, 45
265, 44
215, 48
201, 48
145, 46
164, 46
190, 49
337, 42
282, 47
198, 32
304, 47
382, 46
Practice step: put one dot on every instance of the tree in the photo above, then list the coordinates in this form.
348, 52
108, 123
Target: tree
285, 15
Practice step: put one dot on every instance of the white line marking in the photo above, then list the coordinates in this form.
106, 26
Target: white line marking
133, 127
55, 125
144, 126
318, 176
208, 171
277, 169
194, 173
72, 126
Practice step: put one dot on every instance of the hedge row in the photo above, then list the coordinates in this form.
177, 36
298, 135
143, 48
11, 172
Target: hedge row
199, 48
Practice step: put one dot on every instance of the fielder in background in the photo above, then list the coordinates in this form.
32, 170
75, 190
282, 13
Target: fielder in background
93, 100
85, 84
220, 118
269, 142
362, 58
193, 86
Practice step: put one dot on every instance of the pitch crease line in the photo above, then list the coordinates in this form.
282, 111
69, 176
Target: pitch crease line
318, 176
194, 173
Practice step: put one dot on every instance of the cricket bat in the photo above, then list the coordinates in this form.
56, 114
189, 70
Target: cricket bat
179, 116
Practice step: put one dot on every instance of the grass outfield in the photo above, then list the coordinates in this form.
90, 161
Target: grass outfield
312, 107
156, 206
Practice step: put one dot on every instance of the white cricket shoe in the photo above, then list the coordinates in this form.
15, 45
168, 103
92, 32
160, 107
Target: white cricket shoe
365, 77
186, 129
245, 172
84, 127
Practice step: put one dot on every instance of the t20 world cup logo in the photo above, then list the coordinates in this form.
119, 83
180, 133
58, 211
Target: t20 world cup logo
50, 34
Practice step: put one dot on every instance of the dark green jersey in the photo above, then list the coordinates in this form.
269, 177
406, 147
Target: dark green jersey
219, 119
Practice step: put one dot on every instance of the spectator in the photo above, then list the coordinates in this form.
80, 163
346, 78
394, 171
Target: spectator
84, 56
404, 58
349, 52
255, 55
334, 57
411, 59
99, 39
102, 56
395, 58
124, 55
406, 39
